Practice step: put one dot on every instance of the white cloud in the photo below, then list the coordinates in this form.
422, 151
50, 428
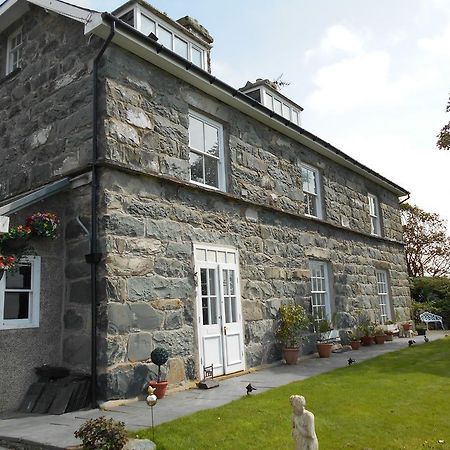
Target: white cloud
365, 79
438, 45
336, 38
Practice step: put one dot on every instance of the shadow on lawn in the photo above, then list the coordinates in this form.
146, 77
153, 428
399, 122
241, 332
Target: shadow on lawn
432, 358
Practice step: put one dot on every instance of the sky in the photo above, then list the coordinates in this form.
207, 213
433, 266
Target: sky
373, 77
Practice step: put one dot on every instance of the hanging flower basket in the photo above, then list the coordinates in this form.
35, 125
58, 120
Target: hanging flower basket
43, 224
6, 263
16, 242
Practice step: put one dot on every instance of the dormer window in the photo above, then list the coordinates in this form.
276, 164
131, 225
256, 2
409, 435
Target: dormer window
168, 34
14, 51
266, 93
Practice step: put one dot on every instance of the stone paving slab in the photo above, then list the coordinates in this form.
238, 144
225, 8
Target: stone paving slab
58, 430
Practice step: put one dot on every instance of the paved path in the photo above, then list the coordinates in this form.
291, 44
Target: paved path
57, 431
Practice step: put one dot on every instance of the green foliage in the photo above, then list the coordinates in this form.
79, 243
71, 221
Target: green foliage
293, 321
431, 294
403, 393
443, 141
102, 434
159, 356
427, 245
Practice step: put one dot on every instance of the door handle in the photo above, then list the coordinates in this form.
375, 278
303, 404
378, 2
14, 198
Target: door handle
225, 331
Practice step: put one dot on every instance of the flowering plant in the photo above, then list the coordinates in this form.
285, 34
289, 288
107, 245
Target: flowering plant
19, 232
43, 224
7, 262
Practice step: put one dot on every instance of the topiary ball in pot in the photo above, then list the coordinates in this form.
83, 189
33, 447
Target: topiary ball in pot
159, 356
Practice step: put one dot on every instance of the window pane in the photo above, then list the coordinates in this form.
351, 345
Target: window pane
147, 25
226, 285
277, 106
16, 305
221, 257
310, 204
213, 302
196, 134
211, 140
200, 254
211, 172
268, 101
181, 47
286, 111
165, 37
196, 166
19, 279
205, 310
309, 180
196, 56
295, 117
212, 282
128, 18
204, 282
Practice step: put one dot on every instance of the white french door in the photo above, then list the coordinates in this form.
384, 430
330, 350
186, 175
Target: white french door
219, 315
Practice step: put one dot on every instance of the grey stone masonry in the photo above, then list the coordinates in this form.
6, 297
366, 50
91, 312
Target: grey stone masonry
274, 253
146, 129
45, 108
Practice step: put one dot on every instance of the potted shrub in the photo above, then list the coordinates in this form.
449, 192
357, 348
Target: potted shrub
388, 335
379, 335
368, 332
293, 321
324, 346
355, 337
421, 329
407, 326
159, 356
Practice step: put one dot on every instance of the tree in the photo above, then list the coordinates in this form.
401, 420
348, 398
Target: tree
443, 141
427, 245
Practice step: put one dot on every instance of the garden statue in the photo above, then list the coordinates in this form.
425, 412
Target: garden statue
303, 430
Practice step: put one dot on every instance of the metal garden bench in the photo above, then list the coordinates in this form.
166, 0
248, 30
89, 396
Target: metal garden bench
428, 317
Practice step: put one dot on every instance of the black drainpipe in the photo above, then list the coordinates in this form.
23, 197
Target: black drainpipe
94, 257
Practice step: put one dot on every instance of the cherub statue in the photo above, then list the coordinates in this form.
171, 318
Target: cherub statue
303, 430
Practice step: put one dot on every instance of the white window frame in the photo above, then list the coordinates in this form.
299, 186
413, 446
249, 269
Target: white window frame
315, 195
34, 298
268, 96
374, 213
139, 10
384, 298
324, 291
220, 159
10, 50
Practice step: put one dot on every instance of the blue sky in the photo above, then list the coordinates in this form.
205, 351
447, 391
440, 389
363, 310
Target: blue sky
373, 77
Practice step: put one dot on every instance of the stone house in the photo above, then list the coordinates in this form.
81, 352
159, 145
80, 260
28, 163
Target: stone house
201, 207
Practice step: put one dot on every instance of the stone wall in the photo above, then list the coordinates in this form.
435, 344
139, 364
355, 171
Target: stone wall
45, 134
149, 228
146, 129
152, 215
45, 108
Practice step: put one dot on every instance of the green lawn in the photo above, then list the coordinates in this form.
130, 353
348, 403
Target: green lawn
400, 400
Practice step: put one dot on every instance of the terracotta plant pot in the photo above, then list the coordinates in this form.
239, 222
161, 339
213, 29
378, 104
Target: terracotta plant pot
160, 388
379, 339
367, 340
324, 349
290, 355
355, 345
407, 326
